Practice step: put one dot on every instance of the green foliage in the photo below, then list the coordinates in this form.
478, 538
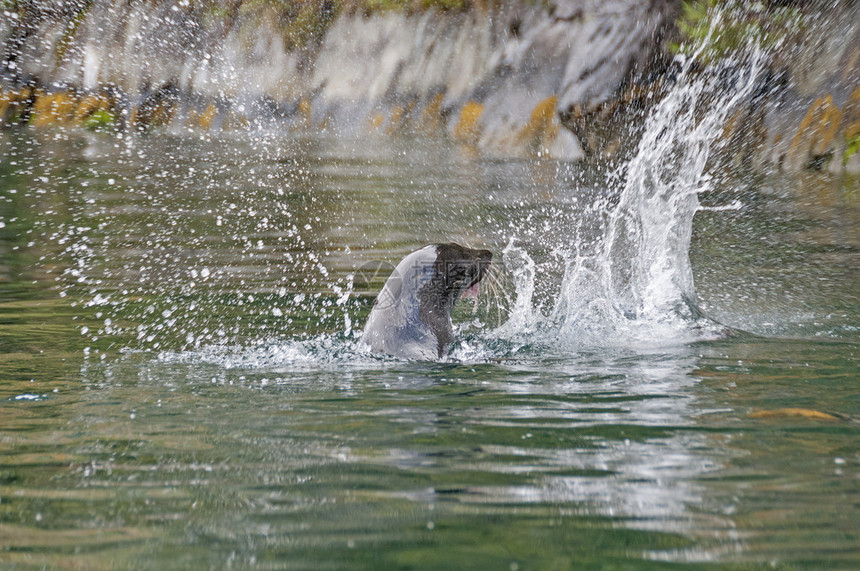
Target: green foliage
383, 5
305, 21
100, 121
301, 22
401, 5
852, 147
713, 29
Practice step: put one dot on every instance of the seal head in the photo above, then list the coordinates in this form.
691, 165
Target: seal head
411, 316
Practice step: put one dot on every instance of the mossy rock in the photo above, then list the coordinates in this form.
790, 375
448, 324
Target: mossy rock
100, 120
852, 147
714, 29
851, 128
813, 144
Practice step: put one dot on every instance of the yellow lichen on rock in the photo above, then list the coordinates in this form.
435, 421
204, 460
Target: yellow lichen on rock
794, 413
304, 109
543, 116
90, 104
233, 120
399, 117
542, 126
731, 126
145, 116
53, 108
831, 119
58, 108
86, 106
851, 125
207, 117
851, 115
376, 120
852, 130
431, 116
468, 127
816, 133
6, 99
12, 103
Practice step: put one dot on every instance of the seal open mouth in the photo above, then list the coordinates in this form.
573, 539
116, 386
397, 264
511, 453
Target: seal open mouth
472, 291
462, 270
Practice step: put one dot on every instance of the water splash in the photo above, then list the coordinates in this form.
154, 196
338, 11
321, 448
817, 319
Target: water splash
242, 261
524, 315
634, 282
626, 277
180, 253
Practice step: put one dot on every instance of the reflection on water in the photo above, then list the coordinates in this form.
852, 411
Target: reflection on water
179, 386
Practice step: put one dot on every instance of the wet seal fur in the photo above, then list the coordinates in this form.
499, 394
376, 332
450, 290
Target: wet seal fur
411, 316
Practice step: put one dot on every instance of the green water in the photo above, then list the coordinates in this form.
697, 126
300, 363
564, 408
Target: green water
180, 384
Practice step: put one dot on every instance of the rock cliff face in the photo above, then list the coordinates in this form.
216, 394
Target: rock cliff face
497, 77
561, 79
809, 117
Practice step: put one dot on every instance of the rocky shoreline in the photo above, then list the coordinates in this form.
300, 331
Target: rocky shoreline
562, 80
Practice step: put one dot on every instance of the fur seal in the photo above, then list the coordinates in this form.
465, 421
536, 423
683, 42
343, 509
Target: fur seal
411, 316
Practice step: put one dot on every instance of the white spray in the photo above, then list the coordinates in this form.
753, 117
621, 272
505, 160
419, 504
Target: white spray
636, 285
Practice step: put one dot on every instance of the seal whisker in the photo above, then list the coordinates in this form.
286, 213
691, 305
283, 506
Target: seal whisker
492, 284
502, 299
494, 298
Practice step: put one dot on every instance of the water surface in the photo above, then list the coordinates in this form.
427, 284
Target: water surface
181, 384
